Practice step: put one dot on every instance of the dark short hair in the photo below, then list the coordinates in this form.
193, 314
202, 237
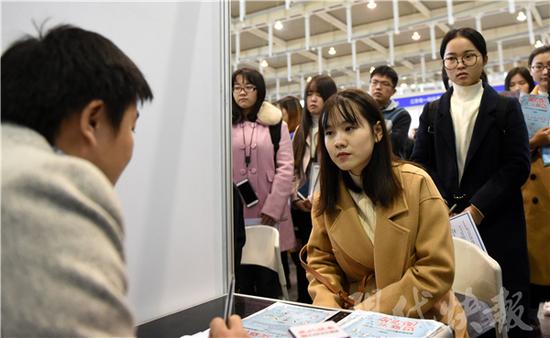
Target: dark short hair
466, 32
380, 183
386, 71
524, 72
255, 78
47, 78
537, 51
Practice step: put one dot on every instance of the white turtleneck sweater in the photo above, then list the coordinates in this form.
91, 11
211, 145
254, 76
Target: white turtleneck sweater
464, 109
365, 208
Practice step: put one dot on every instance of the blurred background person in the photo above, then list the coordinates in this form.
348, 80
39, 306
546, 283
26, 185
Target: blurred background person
383, 81
519, 80
536, 191
267, 165
305, 145
292, 112
481, 170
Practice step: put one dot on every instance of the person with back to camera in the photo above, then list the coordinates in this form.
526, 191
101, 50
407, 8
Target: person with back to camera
268, 170
69, 110
380, 227
292, 112
536, 191
383, 81
474, 144
306, 156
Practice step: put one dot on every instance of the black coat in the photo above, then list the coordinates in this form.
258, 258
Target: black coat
497, 165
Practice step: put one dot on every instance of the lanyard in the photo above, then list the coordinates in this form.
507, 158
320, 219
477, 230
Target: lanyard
249, 153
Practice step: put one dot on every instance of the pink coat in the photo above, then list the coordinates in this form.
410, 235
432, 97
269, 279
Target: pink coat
272, 184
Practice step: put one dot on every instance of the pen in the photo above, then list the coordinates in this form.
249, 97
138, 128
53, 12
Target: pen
229, 301
452, 208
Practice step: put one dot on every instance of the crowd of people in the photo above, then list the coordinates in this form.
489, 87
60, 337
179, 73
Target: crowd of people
361, 209
371, 206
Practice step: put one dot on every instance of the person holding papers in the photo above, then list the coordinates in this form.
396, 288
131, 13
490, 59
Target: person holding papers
474, 144
380, 227
536, 191
306, 151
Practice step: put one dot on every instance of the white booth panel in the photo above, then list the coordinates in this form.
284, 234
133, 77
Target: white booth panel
174, 191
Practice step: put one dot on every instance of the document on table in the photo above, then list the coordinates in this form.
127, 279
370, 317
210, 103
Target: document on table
463, 226
275, 320
373, 324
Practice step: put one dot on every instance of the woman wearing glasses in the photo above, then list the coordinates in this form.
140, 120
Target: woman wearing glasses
536, 191
474, 144
267, 169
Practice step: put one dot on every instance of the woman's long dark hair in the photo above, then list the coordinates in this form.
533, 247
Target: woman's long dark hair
324, 85
294, 109
256, 79
524, 73
380, 182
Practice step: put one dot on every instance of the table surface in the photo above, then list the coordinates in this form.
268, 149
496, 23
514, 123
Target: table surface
197, 318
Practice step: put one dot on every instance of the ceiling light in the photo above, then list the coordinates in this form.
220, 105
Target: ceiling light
521, 17
308, 79
538, 44
278, 25
371, 4
264, 63
371, 69
415, 36
403, 85
332, 51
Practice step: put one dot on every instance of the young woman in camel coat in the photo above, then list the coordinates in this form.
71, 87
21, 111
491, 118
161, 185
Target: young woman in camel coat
380, 226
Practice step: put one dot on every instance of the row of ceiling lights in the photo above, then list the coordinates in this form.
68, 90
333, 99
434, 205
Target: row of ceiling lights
278, 25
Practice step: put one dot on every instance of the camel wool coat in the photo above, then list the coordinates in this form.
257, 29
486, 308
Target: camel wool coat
536, 201
413, 253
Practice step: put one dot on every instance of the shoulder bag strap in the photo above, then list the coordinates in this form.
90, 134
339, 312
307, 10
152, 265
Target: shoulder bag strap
348, 301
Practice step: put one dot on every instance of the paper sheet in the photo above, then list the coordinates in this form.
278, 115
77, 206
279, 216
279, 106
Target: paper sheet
463, 226
372, 324
275, 320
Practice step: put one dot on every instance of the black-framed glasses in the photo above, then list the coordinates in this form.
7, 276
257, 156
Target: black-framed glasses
468, 60
247, 89
539, 67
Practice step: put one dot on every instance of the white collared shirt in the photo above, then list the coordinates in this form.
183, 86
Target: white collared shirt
365, 208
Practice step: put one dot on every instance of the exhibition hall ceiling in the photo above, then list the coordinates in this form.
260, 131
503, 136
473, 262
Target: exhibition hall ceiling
381, 32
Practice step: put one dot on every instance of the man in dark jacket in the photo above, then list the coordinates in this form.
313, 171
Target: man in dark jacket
383, 81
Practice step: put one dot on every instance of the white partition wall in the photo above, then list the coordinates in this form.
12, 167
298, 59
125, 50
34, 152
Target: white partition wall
174, 191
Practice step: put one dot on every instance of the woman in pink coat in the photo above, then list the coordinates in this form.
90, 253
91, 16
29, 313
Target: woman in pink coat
269, 172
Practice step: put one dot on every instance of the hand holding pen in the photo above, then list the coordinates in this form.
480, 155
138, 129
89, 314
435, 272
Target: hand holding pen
230, 325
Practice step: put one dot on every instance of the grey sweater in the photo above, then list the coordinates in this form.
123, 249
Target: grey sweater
63, 269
